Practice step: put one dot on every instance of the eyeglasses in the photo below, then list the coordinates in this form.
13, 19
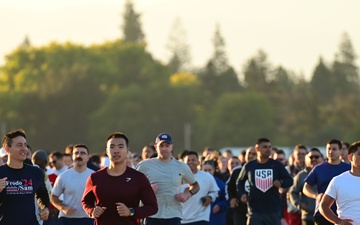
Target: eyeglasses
79, 153
314, 157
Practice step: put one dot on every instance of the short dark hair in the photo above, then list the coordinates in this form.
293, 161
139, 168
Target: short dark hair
182, 154
209, 162
301, 146
118, 135
95, 158
261, 140
8, 138
57, 154
191, 153
80, 146
280, 152
354, 147
335, 141
313, 149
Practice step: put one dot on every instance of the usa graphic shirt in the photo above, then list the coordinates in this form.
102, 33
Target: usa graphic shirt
263, 196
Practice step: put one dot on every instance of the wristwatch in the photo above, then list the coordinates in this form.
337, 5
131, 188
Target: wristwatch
132, 211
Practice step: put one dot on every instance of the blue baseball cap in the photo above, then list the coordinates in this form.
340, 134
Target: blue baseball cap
163, 137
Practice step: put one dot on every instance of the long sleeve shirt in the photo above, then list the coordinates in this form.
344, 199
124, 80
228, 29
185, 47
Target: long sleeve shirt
263, 197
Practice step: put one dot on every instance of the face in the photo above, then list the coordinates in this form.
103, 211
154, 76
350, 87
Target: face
18, 150
136, 160
192, 161
281, 158
208, 168
299, 155
223, 163
233, 162
117, 150
355, 158
129, 160
80, 156
333, 152
344, 151
55, 162
264, 148
313, 158
147, 152
67, 160
164, 150
250, 154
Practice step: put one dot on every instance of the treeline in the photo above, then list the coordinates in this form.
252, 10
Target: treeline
68, 93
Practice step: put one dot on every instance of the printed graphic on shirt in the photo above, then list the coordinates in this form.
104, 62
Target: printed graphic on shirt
264, 179
247, 186
16, 187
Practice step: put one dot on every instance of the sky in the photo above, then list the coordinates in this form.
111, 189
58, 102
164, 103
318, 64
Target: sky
293, 33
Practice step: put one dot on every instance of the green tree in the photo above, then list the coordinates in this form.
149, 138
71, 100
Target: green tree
178, 48
345, 71
218, 76
256, 72
143, 112
321, 83
132, 31
236, 120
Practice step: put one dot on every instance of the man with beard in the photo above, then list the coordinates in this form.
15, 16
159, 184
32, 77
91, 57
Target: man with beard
71, 184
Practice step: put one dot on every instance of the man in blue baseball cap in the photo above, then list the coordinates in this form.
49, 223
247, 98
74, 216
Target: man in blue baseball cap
166, 174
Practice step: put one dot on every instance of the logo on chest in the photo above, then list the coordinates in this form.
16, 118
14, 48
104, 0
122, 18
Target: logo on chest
264, 179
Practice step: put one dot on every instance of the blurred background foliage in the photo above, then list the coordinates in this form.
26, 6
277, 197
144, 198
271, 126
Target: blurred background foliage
65, 93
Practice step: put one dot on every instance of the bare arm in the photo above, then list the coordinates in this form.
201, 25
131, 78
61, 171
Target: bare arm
309, 191
325, 210
60, 205
195, 187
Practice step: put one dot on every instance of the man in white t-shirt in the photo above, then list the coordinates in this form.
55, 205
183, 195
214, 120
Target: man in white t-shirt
71, 185
344, 189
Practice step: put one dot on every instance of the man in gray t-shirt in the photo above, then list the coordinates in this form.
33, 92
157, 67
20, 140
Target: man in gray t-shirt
166, 176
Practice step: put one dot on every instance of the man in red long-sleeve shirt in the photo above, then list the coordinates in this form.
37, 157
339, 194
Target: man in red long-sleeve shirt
112, 194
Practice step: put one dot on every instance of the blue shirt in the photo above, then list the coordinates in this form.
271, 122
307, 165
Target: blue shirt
321, 176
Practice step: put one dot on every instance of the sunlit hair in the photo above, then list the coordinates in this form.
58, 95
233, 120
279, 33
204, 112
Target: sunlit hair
8, 138
118, 135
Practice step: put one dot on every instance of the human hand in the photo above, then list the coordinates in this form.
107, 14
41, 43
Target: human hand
122, 209
206, 200
346, 222
44, 213
98, 211
234, 203
68, 210
3, 183
243, 198
216, 209
183, 196
277, 184
155, 187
